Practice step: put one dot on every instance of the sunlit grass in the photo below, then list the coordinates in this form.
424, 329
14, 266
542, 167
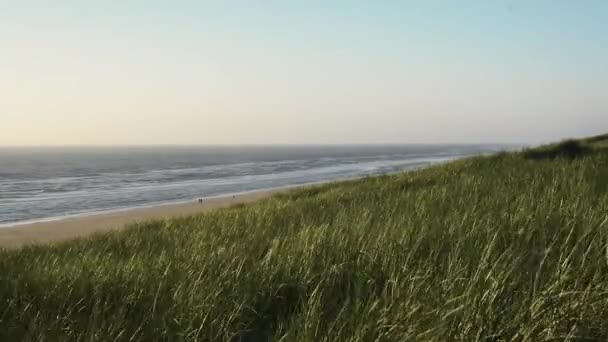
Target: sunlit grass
495, 248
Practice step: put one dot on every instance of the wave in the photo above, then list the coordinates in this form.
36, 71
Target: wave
27, 199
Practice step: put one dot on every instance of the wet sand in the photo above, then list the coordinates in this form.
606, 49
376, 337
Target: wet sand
79, 226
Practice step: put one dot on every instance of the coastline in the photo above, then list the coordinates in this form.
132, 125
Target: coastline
56, 230
150, 206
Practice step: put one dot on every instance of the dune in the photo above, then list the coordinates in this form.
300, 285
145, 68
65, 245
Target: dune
22, 234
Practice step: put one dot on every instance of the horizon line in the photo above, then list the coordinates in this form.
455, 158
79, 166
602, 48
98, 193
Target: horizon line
260, 144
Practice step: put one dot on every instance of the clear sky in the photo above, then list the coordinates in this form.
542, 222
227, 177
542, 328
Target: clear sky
240, 72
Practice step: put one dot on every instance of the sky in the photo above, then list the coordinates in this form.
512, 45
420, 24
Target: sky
301, 72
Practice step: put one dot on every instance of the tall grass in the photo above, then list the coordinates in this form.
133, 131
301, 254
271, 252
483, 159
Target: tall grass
487, 248
567, 148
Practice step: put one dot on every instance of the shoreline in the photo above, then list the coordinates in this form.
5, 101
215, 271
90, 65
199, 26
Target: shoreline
16, 224
67, 228
87, 213
61, 228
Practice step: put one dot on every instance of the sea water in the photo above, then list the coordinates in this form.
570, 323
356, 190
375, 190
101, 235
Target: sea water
50, 182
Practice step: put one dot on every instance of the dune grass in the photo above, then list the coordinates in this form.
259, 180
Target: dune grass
488, 248
569, 149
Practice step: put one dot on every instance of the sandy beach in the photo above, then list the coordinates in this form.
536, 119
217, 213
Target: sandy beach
79, 226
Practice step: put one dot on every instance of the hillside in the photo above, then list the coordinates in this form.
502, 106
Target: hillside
509, 246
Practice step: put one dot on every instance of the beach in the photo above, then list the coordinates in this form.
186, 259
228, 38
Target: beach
73, 192
445, 249
22, 234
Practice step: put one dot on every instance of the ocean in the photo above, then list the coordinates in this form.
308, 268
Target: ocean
52, 182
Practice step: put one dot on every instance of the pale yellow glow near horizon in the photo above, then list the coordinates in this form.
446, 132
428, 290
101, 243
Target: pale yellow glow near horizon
70, 82
158, 102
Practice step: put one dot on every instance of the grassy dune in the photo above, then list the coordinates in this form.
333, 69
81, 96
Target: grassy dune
511, 246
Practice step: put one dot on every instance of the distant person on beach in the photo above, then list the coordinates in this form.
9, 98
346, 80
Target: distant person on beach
200, 200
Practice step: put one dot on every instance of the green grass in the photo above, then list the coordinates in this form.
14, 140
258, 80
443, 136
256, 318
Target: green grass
488, 248
598, 141
567, 148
